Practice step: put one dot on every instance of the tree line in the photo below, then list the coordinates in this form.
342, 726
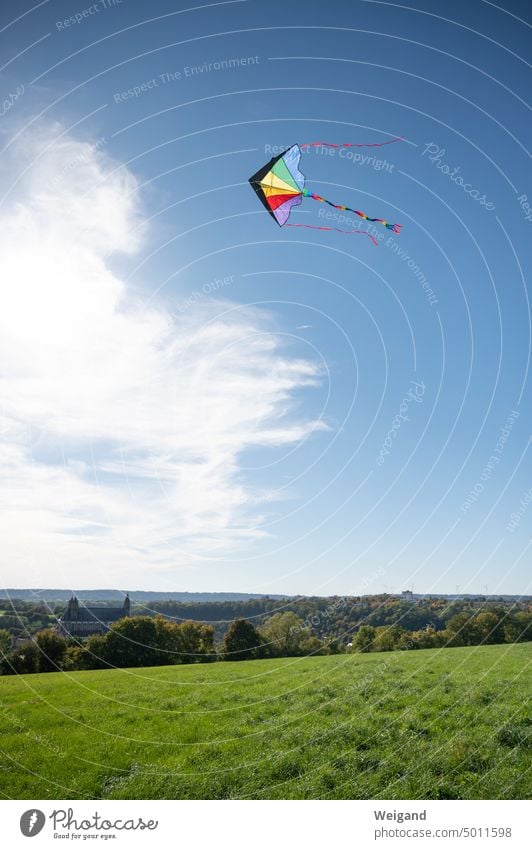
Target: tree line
328, 618
156, 641
487, 627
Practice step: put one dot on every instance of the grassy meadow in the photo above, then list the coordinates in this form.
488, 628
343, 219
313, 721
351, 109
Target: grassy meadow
437, 724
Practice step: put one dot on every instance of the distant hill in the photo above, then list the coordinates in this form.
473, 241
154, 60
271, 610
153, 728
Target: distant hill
36, 594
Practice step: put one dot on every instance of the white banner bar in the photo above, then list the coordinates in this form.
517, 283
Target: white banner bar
264, 824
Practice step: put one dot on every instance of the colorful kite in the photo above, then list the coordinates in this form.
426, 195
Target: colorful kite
280, 186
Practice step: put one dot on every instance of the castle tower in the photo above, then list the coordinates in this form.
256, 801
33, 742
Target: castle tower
73, 608
127, 605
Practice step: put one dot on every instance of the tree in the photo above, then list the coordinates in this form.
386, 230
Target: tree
93, 653
426, 638
5, 642
365, 638
387, 638
461, 630
75, 658
488, 627
132, 642
196, 639
335, 646
52, 650
186, 642
21, 661
207, 650
169, 642
312, 645
518, 628
284, 633
242, 641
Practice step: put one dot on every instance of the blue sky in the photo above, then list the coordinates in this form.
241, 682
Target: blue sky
197, 399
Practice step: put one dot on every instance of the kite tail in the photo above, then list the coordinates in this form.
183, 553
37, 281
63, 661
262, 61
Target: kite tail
395, 228
347, 232
351, 144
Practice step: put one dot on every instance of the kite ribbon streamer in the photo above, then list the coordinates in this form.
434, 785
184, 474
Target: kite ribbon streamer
395, 228
347, 232
351, 144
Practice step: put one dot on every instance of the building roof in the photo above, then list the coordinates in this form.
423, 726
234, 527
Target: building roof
93, 614
77, 612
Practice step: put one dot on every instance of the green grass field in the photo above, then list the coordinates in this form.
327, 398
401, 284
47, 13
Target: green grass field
453, 723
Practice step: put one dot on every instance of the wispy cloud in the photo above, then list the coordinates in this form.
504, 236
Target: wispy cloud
122, 426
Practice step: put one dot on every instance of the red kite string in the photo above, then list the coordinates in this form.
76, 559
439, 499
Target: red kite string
347, 232
351, 144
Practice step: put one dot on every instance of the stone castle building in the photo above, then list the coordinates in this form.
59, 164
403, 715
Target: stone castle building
81, 621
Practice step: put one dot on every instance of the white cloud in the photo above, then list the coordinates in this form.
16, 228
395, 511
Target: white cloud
121, 426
